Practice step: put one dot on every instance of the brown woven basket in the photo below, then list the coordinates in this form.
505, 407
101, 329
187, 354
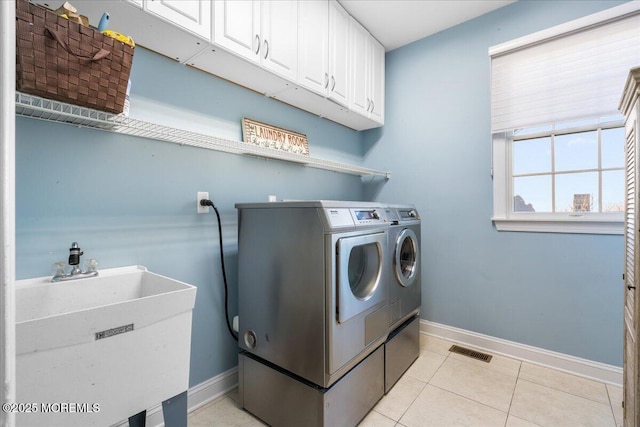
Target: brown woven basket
63, 60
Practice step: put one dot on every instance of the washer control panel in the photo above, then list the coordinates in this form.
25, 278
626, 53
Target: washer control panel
408, 214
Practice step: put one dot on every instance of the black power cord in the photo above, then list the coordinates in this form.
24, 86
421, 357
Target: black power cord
205, 202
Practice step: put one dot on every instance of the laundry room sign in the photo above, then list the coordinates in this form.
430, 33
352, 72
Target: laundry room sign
264, 135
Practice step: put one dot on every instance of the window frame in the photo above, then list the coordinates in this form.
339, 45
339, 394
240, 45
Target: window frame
506, 219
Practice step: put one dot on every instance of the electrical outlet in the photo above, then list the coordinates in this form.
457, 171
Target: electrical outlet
202, 195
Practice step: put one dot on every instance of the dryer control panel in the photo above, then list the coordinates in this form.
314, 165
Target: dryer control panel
338, 218
346, 217
366, 217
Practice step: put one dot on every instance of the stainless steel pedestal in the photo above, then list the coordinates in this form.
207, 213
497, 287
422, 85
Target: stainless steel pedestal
280, 399
401, 350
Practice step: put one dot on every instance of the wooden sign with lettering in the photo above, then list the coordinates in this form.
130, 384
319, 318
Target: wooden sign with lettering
264, 135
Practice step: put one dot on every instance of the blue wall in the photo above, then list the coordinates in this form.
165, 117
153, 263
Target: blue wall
555, 291
129, 200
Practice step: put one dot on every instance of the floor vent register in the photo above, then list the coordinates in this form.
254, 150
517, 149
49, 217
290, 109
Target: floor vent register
471, 353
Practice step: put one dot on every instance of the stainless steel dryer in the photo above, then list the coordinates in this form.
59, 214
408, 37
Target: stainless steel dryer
313, 313
405, 295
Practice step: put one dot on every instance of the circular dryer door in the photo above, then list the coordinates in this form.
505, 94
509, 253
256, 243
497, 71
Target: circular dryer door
363, 270
359, 270
406, 257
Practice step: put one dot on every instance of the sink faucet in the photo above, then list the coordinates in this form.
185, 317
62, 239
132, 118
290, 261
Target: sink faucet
74, 260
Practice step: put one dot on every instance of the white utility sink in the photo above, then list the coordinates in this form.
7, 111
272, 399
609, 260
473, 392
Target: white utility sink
118, 342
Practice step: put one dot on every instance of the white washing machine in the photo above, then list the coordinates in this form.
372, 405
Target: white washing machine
405, 294
313, 312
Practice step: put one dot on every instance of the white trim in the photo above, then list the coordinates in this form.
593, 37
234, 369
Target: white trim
7, 219
595, 19
210, 390
563, 362
540, 225
500, 173
197, 396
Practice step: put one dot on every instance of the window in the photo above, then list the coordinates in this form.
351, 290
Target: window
555, 167
575, 171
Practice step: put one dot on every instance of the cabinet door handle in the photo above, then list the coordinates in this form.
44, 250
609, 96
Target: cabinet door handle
266, 46
373, 105
368, 105
258, 48
333, 86
326, 80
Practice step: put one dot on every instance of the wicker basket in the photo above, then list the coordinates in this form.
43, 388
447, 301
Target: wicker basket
63, 60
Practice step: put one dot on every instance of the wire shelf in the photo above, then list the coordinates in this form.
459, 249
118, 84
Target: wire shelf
54, 111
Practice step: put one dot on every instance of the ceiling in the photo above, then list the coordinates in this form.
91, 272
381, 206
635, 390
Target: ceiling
396, 23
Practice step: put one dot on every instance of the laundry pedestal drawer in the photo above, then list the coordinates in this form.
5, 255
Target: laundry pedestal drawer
281, 399
400, 351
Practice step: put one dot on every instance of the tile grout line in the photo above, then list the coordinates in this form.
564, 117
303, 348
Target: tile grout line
414, 399
613, 412
469, 399
533, 381
379, 413
422, 389
515, 385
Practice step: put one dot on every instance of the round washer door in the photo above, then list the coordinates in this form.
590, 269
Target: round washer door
406, 257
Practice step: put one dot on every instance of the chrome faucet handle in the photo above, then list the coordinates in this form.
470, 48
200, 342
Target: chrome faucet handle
90, 265
58, 269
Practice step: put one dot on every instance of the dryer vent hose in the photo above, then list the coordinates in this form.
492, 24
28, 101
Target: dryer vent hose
205, 202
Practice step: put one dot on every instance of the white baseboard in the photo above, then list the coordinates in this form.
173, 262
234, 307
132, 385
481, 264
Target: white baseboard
574, 365
197, 396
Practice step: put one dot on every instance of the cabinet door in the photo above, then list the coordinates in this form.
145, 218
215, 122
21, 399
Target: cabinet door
359, 70
279, 51
338, 54
237, 27
631, 278
313, 45
192, 15
376, 86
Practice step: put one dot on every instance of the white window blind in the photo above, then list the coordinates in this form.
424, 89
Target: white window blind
563, 75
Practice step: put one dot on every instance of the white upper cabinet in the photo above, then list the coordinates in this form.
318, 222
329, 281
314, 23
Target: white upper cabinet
313, 45
192, 15
338, 53
367, 73
237, 27
280, 37
264, 32
377, 79
308, 53
359, 68
177, 29
323, 50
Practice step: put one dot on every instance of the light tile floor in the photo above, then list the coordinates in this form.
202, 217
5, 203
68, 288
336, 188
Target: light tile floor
447, 389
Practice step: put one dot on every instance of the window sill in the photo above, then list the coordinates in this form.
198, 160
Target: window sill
561, 225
